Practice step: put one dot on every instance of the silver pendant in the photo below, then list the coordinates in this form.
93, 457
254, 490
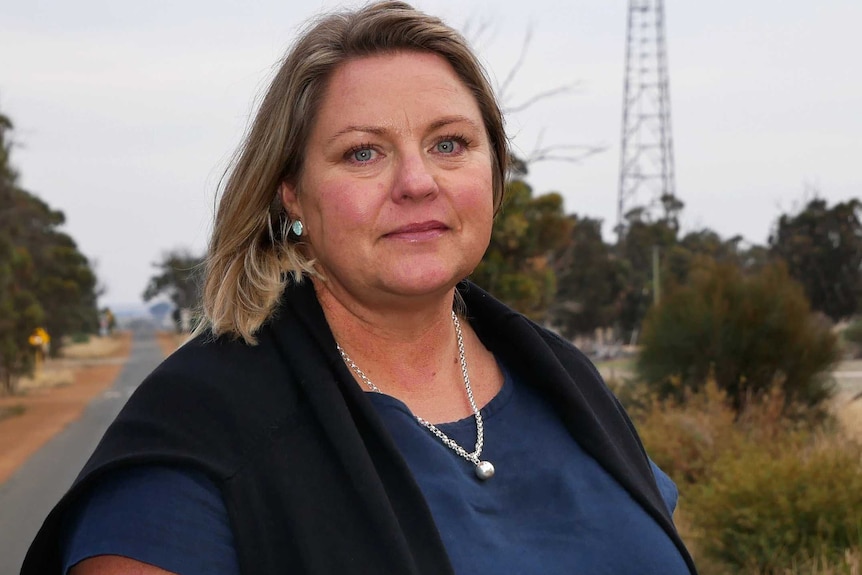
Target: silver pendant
484, 470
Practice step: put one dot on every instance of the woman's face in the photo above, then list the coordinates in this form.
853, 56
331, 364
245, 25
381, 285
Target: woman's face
396, 188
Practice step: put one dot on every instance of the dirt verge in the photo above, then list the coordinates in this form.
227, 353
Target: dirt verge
47, 405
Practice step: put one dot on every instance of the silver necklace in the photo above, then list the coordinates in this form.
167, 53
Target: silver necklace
484, 469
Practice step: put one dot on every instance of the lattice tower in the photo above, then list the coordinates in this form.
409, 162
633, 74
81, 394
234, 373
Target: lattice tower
646, 155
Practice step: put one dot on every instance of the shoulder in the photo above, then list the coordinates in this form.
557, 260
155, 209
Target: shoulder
210, 403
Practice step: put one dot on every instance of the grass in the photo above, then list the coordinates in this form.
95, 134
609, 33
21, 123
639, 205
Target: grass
618, 370
758, 488
94, 347
849, 414
60, 372
52, 375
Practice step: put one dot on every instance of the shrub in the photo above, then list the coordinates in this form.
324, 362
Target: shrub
770, 511
685, 439
747, 332
760, 493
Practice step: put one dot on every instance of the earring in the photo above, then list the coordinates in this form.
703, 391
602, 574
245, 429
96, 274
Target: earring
296, 228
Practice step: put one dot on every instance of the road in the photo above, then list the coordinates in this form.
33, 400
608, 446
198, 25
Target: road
28, 496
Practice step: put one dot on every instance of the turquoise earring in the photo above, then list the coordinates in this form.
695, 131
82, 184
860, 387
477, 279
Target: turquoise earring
296, 228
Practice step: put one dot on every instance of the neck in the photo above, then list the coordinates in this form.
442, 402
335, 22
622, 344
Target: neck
401, 349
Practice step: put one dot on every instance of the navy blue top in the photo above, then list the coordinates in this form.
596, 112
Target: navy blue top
171, 517
550, 507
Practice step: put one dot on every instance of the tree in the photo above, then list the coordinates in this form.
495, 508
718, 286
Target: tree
591, 281
44, 280
747, 331
679, 259
178, 278
823, 250
640, 236
518, 267
62, 280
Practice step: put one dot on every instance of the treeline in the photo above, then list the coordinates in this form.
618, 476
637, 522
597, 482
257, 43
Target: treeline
748, 315
44, 280
558, 268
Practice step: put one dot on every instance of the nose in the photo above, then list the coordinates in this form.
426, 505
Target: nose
413, 179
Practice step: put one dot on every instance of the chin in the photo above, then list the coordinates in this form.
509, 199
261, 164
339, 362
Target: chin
425, 284
419, 276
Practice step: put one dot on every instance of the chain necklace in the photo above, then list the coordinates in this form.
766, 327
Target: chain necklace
484, 469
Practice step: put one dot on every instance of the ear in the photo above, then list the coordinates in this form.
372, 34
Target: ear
289, 200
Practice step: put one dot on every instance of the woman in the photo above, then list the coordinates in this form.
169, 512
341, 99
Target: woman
297, 433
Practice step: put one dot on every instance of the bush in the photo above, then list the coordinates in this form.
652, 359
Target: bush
686, 439
749, 333
759, 492
769, 511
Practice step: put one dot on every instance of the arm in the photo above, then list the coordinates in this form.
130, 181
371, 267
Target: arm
115, 565
150, 520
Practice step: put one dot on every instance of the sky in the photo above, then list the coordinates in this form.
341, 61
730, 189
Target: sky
127, 113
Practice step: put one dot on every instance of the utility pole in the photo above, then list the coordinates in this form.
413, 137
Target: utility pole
646, 152
656, 275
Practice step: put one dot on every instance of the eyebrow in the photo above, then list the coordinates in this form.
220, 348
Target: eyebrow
377, 130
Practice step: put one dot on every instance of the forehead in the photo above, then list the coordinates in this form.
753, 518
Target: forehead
401, 89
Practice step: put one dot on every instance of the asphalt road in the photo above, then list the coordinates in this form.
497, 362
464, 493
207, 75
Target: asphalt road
28, 495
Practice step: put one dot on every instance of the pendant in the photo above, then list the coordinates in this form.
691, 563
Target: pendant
484, 470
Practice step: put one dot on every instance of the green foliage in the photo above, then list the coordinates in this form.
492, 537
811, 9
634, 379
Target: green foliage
179, 279
823, 250
748, 332
770, 510
640, 236
517, 267
44, 280
760, 493
590, 281
686, 438
20, 314
678, 256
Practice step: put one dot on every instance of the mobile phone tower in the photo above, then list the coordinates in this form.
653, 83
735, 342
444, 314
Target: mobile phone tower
646, 152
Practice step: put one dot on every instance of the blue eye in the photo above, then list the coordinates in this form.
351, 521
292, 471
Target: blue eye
446, 146
363, 155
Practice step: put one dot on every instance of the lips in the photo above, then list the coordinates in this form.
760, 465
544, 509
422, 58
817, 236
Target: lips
418, 231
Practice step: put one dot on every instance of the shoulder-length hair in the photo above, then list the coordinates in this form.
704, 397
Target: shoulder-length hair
250, 256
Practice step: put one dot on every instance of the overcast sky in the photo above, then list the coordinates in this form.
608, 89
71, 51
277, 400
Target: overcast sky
127, 112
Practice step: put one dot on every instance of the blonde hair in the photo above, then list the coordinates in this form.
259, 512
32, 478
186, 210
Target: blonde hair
251, 257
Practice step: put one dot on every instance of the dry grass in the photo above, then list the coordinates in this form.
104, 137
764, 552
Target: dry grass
96, 347
849, 414
59, 372
780, 478
54, 374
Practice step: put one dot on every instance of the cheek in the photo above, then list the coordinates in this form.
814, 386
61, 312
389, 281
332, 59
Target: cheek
480, 199
341, 206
